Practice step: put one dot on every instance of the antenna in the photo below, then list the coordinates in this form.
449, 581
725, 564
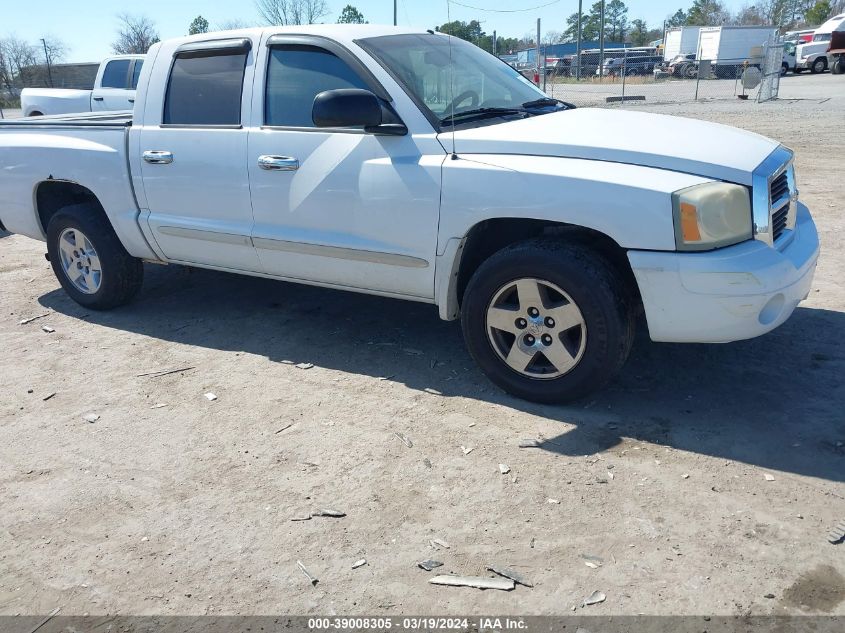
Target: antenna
451, 77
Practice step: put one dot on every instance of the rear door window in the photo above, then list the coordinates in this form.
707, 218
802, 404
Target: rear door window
205, 89
136, 73
116, 74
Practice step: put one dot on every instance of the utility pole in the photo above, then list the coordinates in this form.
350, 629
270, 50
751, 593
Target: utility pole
495, 45
539, 69
601, 43
395, 13
578, 49
47, 59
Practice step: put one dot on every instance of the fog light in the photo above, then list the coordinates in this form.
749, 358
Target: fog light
772, 310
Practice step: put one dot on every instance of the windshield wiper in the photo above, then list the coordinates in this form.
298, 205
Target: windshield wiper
481, 113
543, 101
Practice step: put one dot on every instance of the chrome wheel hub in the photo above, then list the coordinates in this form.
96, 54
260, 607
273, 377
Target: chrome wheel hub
80, 261
536, 329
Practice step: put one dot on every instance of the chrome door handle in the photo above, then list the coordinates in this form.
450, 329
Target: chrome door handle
278, 163
154, 157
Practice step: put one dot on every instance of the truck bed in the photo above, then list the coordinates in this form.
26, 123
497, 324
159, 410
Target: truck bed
83, 119
88, 150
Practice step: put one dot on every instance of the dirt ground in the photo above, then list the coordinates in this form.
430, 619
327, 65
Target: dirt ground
703, 481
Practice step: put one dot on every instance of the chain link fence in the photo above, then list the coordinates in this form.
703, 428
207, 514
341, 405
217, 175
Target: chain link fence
641, 75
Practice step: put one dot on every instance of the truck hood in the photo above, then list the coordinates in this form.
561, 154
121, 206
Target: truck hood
709, 150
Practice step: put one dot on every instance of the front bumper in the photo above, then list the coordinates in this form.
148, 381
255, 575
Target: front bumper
729, 294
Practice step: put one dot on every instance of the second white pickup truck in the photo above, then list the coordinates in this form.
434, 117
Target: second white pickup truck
414, 165
114, 90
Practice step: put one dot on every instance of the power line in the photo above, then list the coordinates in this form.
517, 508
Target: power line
468, 6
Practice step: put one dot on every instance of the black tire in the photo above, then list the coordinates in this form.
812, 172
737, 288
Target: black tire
838, 67
36, 113
122, 274
784, 68
819, 66
797, 71
595, 287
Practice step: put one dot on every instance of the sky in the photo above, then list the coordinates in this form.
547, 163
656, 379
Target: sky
88, 26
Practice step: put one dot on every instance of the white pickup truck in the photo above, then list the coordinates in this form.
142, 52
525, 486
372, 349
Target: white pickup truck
412, 165
114, 90
813, 55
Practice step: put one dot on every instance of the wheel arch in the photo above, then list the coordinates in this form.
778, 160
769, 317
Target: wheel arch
50, 196
489, 236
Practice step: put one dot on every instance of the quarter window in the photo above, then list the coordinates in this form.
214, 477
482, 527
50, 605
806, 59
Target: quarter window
295, 76
205, 89
116, 74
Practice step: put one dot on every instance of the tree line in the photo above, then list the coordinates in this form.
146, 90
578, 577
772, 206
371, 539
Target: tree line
783, 14
23, 62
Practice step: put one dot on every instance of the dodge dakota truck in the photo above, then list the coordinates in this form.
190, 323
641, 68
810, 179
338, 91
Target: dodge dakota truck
414, 165
114, 89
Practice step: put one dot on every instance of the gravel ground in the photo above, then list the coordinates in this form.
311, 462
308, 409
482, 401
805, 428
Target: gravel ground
705, 479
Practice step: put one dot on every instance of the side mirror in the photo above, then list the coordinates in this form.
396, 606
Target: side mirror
347, 107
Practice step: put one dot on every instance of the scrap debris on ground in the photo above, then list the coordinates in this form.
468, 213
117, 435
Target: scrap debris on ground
478, 582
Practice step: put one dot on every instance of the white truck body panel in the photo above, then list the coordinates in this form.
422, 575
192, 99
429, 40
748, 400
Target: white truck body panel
94, 155
732, 44
51, 101
681, 40
109, 98
636, 138
387, 215
834, 24
740, 292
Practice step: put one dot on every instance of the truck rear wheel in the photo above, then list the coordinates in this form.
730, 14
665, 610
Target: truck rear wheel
89, 261
548, 321
838, 67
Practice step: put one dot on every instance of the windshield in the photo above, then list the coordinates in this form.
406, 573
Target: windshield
472, 81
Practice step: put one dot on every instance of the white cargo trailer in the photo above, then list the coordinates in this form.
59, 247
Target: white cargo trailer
727, 48
680, 40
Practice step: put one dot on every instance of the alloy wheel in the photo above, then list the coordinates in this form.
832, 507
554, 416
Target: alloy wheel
536, 328
80, 261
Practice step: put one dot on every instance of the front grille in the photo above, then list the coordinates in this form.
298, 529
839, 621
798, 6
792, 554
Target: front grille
780, 197
780, 188
773, 199
779, 221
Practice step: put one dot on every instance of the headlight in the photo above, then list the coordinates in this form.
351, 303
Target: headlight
711, 215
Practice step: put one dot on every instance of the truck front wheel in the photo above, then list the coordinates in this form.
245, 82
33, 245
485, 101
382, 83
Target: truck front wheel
548, 321
819, 66
89, 261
